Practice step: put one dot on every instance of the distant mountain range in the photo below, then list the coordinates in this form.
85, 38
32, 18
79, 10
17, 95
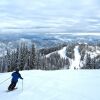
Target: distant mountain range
43, 40
47, 37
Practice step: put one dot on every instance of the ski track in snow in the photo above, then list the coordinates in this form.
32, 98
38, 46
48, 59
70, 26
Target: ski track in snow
61, 52
54, 85
76, 61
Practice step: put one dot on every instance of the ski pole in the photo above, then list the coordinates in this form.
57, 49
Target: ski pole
22, 85
5, 80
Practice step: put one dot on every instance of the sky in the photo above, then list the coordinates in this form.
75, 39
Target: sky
50, 16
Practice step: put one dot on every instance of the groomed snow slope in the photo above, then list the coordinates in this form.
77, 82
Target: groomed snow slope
54, 85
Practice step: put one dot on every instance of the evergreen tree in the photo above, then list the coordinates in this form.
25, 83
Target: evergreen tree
32, 57
23, 55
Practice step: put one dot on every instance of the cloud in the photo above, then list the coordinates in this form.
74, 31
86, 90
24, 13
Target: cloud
50, 15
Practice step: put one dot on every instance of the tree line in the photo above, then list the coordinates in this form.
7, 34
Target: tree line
27, 57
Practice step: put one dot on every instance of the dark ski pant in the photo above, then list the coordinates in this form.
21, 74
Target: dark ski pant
12, 86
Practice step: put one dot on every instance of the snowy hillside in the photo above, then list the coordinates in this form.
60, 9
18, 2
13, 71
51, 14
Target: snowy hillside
74, 63
49, 53
61, 52
79, 55
54, 85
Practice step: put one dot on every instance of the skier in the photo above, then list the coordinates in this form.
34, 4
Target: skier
15, 76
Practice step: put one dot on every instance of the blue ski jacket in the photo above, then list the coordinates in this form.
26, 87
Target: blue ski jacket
16, 76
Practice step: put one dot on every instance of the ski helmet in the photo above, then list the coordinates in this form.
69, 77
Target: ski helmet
17, 70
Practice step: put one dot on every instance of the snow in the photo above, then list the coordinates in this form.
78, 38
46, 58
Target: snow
54, 85
75, 63
93, 54
61, 52
76, 60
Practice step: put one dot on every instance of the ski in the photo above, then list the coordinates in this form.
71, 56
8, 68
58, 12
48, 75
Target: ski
11, 90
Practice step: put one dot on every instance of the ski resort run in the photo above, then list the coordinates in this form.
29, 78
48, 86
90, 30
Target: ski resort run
61, 52
76, 62
53, 85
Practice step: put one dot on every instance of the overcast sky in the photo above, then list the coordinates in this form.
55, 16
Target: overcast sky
50, 15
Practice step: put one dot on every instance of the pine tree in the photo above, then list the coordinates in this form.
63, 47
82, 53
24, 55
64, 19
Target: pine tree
23, 55
32, 57
38, 60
